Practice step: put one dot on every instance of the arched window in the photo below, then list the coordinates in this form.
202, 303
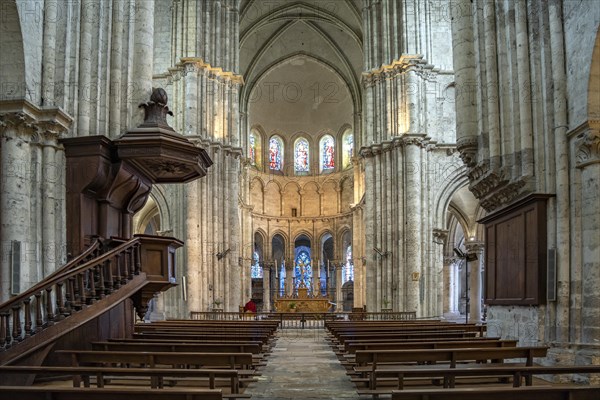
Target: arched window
275, 153
327, 149
348, 148
301, 156
255, 149
303, 268
348, 271
256, 270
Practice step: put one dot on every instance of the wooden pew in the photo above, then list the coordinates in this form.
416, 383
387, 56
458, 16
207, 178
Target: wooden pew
354, 346
367, 331
256, 349
156, 376
217, 347
69, 393
264, 348
368, 360
224, 337
350, 357
524, 393
422, 335
516, 372
239, 361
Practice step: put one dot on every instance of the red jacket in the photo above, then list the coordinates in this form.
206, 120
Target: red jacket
250, 306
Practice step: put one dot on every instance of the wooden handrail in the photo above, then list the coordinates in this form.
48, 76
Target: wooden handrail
65, 291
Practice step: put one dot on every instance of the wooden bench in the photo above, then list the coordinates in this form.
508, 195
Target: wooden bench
69, 393
523, 393
264, 348
156, 376
516, 372
239, 361
422, 335
479, 329
354, 346
351, 355
257, 359
217, 347
223, 337
451, 356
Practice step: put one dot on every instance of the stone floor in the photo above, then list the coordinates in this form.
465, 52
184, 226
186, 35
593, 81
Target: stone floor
303, 366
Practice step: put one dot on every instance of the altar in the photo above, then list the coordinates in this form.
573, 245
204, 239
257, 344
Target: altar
303, 302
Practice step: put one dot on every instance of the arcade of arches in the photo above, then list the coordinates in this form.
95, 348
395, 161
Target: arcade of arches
356, 144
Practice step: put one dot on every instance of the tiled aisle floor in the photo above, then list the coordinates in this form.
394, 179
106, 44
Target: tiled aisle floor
303, 366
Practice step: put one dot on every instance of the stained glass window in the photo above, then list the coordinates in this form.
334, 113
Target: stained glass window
348, 271
303, 268
275, 153
256, 270
348, 143
282, 280
301, 156
252, 149
327, 153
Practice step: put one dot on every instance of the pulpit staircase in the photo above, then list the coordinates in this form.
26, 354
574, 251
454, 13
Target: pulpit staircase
92, 297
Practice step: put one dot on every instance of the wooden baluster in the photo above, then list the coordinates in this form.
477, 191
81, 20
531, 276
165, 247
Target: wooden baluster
138, 258
126, 272
60, 303
28, 331
92, 284
81, 284
49, 308
109, 276
76, 293
4, 330
101, 287
118, 271
70, 295
39, 318
16, 331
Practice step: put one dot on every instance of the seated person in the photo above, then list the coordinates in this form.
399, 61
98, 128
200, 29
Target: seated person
250, 306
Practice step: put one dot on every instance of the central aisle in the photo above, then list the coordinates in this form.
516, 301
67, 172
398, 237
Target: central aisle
303, 366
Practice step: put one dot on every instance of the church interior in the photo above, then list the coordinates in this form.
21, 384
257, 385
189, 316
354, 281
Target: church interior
342, 181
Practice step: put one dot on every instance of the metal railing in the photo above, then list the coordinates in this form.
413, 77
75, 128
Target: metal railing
302, 320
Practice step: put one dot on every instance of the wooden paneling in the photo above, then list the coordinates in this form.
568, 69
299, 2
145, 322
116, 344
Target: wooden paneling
516, 253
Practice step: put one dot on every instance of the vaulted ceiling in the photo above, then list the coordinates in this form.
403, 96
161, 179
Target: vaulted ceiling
328, 32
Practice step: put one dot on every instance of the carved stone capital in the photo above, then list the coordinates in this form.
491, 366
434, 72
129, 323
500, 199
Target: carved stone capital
413, 141
467, 147
450, 260
27, 119
474, 246
587, 149
440, 235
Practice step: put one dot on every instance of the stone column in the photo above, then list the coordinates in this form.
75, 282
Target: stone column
143, 57
588, 162
289, 277
49, 204
316, 289
439, 238
24, 126
412, 149
338, 287
450, 288
474, 272
267, 286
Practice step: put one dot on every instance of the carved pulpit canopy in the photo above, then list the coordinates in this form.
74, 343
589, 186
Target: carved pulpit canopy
160, 153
